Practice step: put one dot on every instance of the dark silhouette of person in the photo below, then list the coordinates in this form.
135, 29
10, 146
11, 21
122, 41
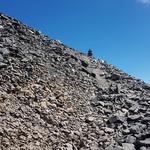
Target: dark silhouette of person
90, 53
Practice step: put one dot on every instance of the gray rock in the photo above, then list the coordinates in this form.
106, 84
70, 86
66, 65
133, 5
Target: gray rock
115, 77
90, 119
135, 129
146, 86
109, 130
69, 146
117, 119
4, 51
114, 147
126, 131
145, 142
128, 146
3, 65
1, 58
143, 148
1, 27
130, 139
134, 117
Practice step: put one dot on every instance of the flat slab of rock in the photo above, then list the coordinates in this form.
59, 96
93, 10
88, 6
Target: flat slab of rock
145, 142
109, 130
115, 147
128, 146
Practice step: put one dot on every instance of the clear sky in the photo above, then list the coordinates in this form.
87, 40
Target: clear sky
118, 31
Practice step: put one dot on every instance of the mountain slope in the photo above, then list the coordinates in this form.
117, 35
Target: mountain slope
53, 97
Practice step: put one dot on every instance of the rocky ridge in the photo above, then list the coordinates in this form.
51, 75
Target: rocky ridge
54, 97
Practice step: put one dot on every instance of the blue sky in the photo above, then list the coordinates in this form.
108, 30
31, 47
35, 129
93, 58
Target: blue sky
118, 31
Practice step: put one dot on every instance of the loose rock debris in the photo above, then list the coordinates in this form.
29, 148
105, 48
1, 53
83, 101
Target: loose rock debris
54, 98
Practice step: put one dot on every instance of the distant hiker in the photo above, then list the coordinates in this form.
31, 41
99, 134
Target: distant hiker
90, 53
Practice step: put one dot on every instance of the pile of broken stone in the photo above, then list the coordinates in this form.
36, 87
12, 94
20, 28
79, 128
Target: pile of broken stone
54, 97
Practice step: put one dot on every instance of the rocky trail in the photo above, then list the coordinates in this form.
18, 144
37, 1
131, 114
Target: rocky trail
53, 97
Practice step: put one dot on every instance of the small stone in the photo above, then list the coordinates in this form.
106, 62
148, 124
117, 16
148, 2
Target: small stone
130, 139
70, 110
51, 105
69, 146
25, 60
117, 119
125, 111
1, 132
126, 131
145, 142
115, 77
4, 51
128, 146
1, 27
37, 143
109, 130
3, 65
1, 58
90, 119
43, 104
114, 147
143, 148
29, 136
135, 129
101, 103
107, 111
134, 117
52, 98
134, 108
101, 132
114, 89
22, 137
